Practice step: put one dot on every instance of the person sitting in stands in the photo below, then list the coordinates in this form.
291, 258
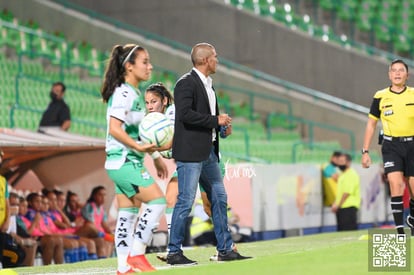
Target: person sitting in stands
95, 225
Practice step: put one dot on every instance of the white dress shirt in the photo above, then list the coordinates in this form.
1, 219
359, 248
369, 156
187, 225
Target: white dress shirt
208, 85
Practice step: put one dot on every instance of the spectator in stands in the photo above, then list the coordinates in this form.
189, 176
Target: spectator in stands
51, 245
330, 176
197, 124
348, 198
57, 113
127, 67
95, 225
393, 106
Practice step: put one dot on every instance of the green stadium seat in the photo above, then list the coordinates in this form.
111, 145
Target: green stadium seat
364, 17
244, 110
347, 10
328, 5
402, 44
6, 15
382, 32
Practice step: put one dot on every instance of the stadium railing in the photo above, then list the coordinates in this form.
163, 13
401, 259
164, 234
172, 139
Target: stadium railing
311, 125
258, 75
82, 127
317, 95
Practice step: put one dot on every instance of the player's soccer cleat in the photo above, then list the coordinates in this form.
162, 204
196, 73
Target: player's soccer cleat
179, 259
231, 256
162, 256
410, 223
140, 263
128, 272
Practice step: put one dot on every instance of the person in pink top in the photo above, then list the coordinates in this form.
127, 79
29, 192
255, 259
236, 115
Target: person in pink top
51, 245
64, 227
95, 225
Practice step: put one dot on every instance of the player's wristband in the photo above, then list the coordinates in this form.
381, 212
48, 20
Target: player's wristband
155, 155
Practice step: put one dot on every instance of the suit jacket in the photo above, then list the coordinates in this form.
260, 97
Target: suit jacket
193, 120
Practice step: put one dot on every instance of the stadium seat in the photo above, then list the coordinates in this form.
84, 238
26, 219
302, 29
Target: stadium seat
365, 16
328, 5
6, 15
347, 10
402, 44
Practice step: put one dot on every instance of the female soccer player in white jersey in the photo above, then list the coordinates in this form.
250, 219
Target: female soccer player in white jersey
127, 67
159, 99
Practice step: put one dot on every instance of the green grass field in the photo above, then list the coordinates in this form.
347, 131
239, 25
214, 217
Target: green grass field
328, 253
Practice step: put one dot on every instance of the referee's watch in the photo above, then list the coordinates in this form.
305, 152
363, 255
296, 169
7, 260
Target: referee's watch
364, 151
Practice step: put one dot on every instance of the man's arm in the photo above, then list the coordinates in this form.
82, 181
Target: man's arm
65, 125
338, 205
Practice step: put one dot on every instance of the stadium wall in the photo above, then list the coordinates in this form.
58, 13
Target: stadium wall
78, 27
256, 42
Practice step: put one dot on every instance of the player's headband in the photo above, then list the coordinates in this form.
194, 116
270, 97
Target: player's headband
129, 55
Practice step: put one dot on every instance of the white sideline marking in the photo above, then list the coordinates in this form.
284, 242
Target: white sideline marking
91, 271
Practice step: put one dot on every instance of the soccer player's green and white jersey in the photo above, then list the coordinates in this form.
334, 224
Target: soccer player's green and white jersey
170, 113
128, 105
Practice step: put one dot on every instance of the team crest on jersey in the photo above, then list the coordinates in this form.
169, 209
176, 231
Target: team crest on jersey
145, 175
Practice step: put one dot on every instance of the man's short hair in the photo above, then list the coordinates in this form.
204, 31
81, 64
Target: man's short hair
59, 83
336, 153
395, 61
195, 51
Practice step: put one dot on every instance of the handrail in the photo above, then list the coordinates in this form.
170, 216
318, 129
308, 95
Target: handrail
252, 95
312, 124
21, 76
246, 139
227, 63
311, 145
30, 31
16, 106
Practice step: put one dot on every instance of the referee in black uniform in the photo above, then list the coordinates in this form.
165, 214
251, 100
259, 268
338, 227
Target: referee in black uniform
394, 106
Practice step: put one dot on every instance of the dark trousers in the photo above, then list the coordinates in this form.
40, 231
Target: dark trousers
346, 218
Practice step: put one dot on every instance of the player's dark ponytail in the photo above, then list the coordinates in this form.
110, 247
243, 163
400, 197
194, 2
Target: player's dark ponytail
115, 69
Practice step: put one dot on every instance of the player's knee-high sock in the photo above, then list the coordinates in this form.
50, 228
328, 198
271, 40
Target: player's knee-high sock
147, 224
126, 220
412, 208
397, 208
168, 217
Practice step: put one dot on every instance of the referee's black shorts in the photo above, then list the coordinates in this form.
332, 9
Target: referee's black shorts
398, 156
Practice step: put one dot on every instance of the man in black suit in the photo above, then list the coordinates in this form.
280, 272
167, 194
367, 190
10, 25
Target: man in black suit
195, 149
